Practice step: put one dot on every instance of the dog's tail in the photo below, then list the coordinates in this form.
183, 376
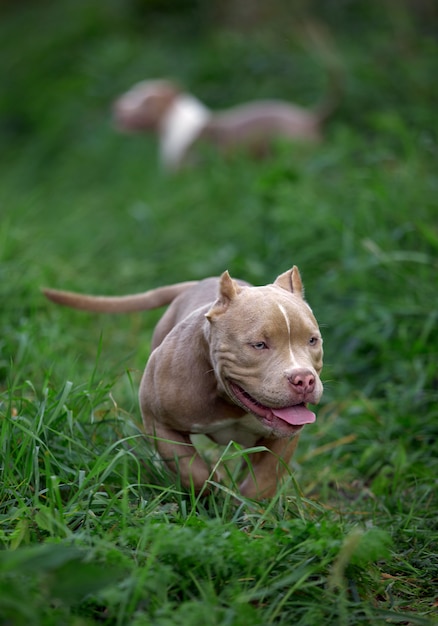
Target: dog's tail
119, 304
318, 41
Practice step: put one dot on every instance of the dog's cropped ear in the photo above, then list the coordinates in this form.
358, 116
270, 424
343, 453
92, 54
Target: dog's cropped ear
291, 281
166, 91
143, 106
228, 289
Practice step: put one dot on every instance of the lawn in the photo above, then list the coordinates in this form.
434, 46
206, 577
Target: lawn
92, 531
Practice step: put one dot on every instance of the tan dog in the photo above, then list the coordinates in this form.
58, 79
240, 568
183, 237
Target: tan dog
231, 361
181, 120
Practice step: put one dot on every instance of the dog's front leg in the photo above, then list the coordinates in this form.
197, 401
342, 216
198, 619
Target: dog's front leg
268, 467
181, 457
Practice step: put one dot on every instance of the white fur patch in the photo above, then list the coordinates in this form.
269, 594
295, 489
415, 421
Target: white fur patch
180, 127
292, 357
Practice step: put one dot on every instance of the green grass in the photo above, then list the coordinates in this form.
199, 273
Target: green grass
92, 530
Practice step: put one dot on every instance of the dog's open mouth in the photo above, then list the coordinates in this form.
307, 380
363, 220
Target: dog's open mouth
295, 415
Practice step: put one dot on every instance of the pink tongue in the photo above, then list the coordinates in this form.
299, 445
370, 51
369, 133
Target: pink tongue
295, 415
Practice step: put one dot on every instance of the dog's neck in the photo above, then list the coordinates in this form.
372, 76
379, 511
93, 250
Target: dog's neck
180, 127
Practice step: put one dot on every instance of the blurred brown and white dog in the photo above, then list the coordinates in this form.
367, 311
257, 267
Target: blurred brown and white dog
181, 121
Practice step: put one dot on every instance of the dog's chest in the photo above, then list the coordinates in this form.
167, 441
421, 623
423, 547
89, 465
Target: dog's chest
180, 128
245, 430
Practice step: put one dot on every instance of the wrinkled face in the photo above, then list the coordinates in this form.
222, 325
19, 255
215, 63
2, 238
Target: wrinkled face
267, 352
142, 107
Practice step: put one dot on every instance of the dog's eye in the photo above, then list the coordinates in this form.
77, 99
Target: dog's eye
313, 341
259, 345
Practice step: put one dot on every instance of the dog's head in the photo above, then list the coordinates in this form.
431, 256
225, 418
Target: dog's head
144, 105
266, 349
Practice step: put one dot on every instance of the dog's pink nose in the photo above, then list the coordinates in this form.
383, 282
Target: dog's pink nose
303, 381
